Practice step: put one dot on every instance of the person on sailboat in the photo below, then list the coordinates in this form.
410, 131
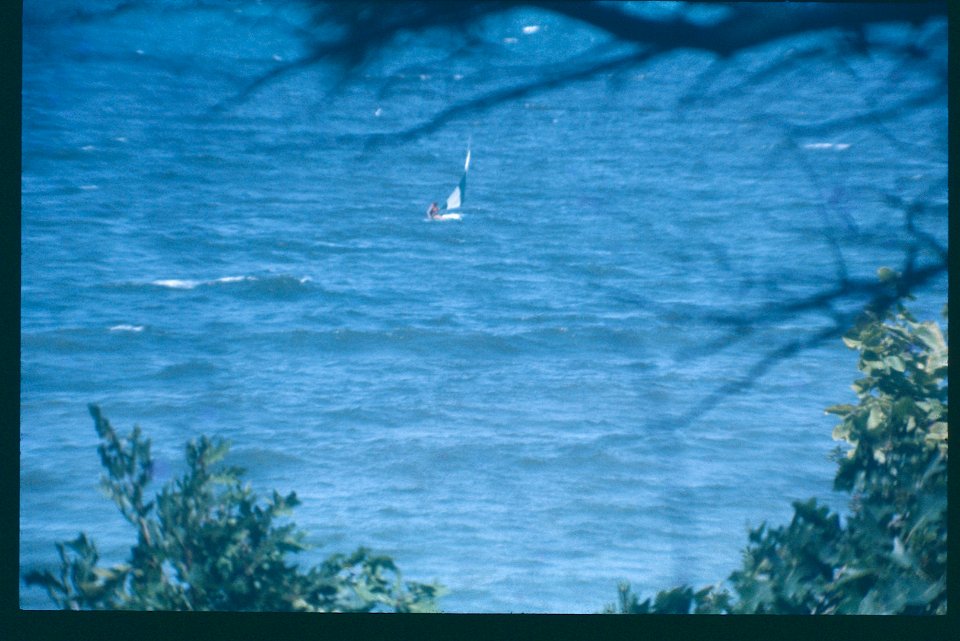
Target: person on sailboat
434, 211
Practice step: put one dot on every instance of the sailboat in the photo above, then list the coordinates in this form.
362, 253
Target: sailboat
455, 199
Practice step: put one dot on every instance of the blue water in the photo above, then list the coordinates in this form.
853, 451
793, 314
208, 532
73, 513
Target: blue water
493, 402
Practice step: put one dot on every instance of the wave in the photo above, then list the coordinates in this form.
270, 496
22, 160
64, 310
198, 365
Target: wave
269, 285
630, 345
839, 146
176, 284
127, 328
191, 368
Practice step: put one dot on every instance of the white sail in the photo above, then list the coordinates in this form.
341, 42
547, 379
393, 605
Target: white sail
455, 199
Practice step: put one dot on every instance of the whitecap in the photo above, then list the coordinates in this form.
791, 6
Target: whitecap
839, 146
127, 328
531, 28
88, 187
509, 41
176, 284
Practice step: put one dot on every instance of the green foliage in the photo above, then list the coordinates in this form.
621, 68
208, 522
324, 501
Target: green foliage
889, 555
207, 543
682, 600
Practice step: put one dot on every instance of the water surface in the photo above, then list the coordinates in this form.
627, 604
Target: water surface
492, 402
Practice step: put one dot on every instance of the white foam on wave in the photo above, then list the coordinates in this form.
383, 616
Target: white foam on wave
531, 28
127, 328
174, 283
839, 146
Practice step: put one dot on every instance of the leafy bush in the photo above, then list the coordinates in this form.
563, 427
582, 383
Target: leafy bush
889, 555
206, 543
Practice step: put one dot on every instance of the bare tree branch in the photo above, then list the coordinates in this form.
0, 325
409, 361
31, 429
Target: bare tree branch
367, 28
749, 26
495, 98
349, 35
882, 296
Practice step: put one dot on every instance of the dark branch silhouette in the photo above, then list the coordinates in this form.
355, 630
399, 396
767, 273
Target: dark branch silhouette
882, 297
499, 97
746, 26
347, 36
368, 29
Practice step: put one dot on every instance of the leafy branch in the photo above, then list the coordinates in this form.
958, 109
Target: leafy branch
208, 543
889, 554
